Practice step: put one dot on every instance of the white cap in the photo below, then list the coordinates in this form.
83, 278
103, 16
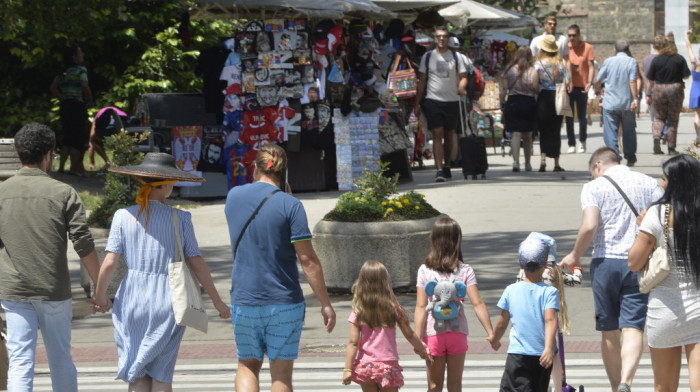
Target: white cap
453, 43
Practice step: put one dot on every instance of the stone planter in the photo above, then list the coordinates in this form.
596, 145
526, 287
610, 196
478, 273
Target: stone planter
344, 246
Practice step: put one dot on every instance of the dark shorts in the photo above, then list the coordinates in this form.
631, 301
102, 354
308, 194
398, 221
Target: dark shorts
74, 121
441, 114
618, 302
523, 373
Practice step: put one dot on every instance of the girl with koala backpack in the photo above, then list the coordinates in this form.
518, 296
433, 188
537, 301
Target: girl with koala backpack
443, 282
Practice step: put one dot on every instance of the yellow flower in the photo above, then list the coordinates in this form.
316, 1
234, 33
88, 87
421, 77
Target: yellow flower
417, 208
383, 203
364, 200
398, 204
406, 201
357, 199
423, 196
391, 202
389, 210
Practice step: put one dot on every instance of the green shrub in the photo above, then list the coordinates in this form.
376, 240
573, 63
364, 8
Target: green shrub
372, 201
120, 190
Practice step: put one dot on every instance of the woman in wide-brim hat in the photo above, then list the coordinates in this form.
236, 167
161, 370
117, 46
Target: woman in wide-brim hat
145, 330
551, 70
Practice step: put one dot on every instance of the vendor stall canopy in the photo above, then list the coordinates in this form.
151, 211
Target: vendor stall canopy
472, 13
262, 9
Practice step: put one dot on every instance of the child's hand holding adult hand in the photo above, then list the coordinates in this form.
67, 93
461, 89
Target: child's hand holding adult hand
424, 353
495, 344
546, 359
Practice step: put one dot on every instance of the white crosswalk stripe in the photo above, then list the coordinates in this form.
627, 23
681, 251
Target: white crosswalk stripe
479, 376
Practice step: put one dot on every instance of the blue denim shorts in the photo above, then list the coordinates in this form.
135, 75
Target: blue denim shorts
274, 330
618, 302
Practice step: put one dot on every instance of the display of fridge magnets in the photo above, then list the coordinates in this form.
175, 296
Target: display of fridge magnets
254, 26
308, 75
302, 41
296, 91
285, 40
296, 24
274, 25
263, 42
262, 77
277, 77
267, 95
248, 81
292, 76
264, 59
302, 57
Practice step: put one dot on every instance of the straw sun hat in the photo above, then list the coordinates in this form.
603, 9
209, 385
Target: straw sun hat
549, 44
157, 165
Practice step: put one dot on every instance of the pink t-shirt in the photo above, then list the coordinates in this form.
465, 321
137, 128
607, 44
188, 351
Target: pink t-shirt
466, 275
377, 344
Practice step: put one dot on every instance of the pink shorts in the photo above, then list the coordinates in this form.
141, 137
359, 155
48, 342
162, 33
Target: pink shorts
448, 343
386, 374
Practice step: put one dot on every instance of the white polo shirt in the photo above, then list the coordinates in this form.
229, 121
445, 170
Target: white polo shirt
617, 226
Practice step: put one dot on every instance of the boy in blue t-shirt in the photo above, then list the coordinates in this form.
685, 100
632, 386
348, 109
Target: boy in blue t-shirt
532, 307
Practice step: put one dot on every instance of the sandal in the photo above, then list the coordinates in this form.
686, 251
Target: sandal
623, 388
558, 169
543, 168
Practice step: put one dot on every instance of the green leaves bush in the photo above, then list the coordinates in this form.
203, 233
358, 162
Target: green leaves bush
372, 201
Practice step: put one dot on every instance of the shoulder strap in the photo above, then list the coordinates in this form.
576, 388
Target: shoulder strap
179, 252
624, 196
427, 62
238, 241
544, 67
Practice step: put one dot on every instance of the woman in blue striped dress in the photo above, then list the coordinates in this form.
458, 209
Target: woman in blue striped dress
145, 331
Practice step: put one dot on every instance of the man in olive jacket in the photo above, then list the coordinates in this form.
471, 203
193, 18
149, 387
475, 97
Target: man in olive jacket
37, 215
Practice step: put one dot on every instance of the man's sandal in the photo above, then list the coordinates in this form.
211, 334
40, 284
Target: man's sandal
623, 387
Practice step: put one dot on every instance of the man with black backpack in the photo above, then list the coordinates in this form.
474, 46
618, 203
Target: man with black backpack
442, 79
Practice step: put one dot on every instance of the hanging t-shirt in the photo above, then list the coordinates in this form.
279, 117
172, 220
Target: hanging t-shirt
258, 130
236, 172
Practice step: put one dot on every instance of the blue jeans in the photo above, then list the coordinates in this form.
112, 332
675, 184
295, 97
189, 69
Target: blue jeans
579, 99
611, 123
53, 318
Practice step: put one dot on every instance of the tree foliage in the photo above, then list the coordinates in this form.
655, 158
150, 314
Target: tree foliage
131, 47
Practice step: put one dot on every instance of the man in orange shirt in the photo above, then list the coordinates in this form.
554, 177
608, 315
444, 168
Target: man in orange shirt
582, 73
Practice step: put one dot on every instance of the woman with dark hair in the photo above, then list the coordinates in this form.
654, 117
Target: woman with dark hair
521, 84
673, 315
551, 70
666, 92
269, 232
72, 89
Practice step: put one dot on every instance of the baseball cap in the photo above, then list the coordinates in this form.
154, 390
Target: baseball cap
453, 43
532, 254
549, 241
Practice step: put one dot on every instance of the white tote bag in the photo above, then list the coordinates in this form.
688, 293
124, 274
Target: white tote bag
561, 101
185, 294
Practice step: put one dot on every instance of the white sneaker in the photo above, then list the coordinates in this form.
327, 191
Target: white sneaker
582, 147
571, 150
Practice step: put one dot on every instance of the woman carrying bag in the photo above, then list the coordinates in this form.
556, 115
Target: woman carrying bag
673, 315
145, 328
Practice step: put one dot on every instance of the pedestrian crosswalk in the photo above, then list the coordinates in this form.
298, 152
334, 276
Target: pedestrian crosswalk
324, 374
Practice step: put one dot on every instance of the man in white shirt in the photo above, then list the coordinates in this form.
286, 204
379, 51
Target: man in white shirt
550, 26
609, 222
442, 80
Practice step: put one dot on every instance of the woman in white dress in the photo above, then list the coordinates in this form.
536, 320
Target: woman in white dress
673, 316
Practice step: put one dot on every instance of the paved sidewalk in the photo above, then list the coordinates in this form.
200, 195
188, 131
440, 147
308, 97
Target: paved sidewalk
495, 214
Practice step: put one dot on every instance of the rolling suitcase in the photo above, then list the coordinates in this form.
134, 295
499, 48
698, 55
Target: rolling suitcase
472, 147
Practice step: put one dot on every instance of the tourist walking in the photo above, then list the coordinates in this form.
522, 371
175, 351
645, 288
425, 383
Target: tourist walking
148, 337
521, 84
550, 28
371, 357
580, 64
657, 44
694, 102
619, 73
269, 231
673, 315
551, 70
448, 347
609, 223
37, 217
667, 71
442, 80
